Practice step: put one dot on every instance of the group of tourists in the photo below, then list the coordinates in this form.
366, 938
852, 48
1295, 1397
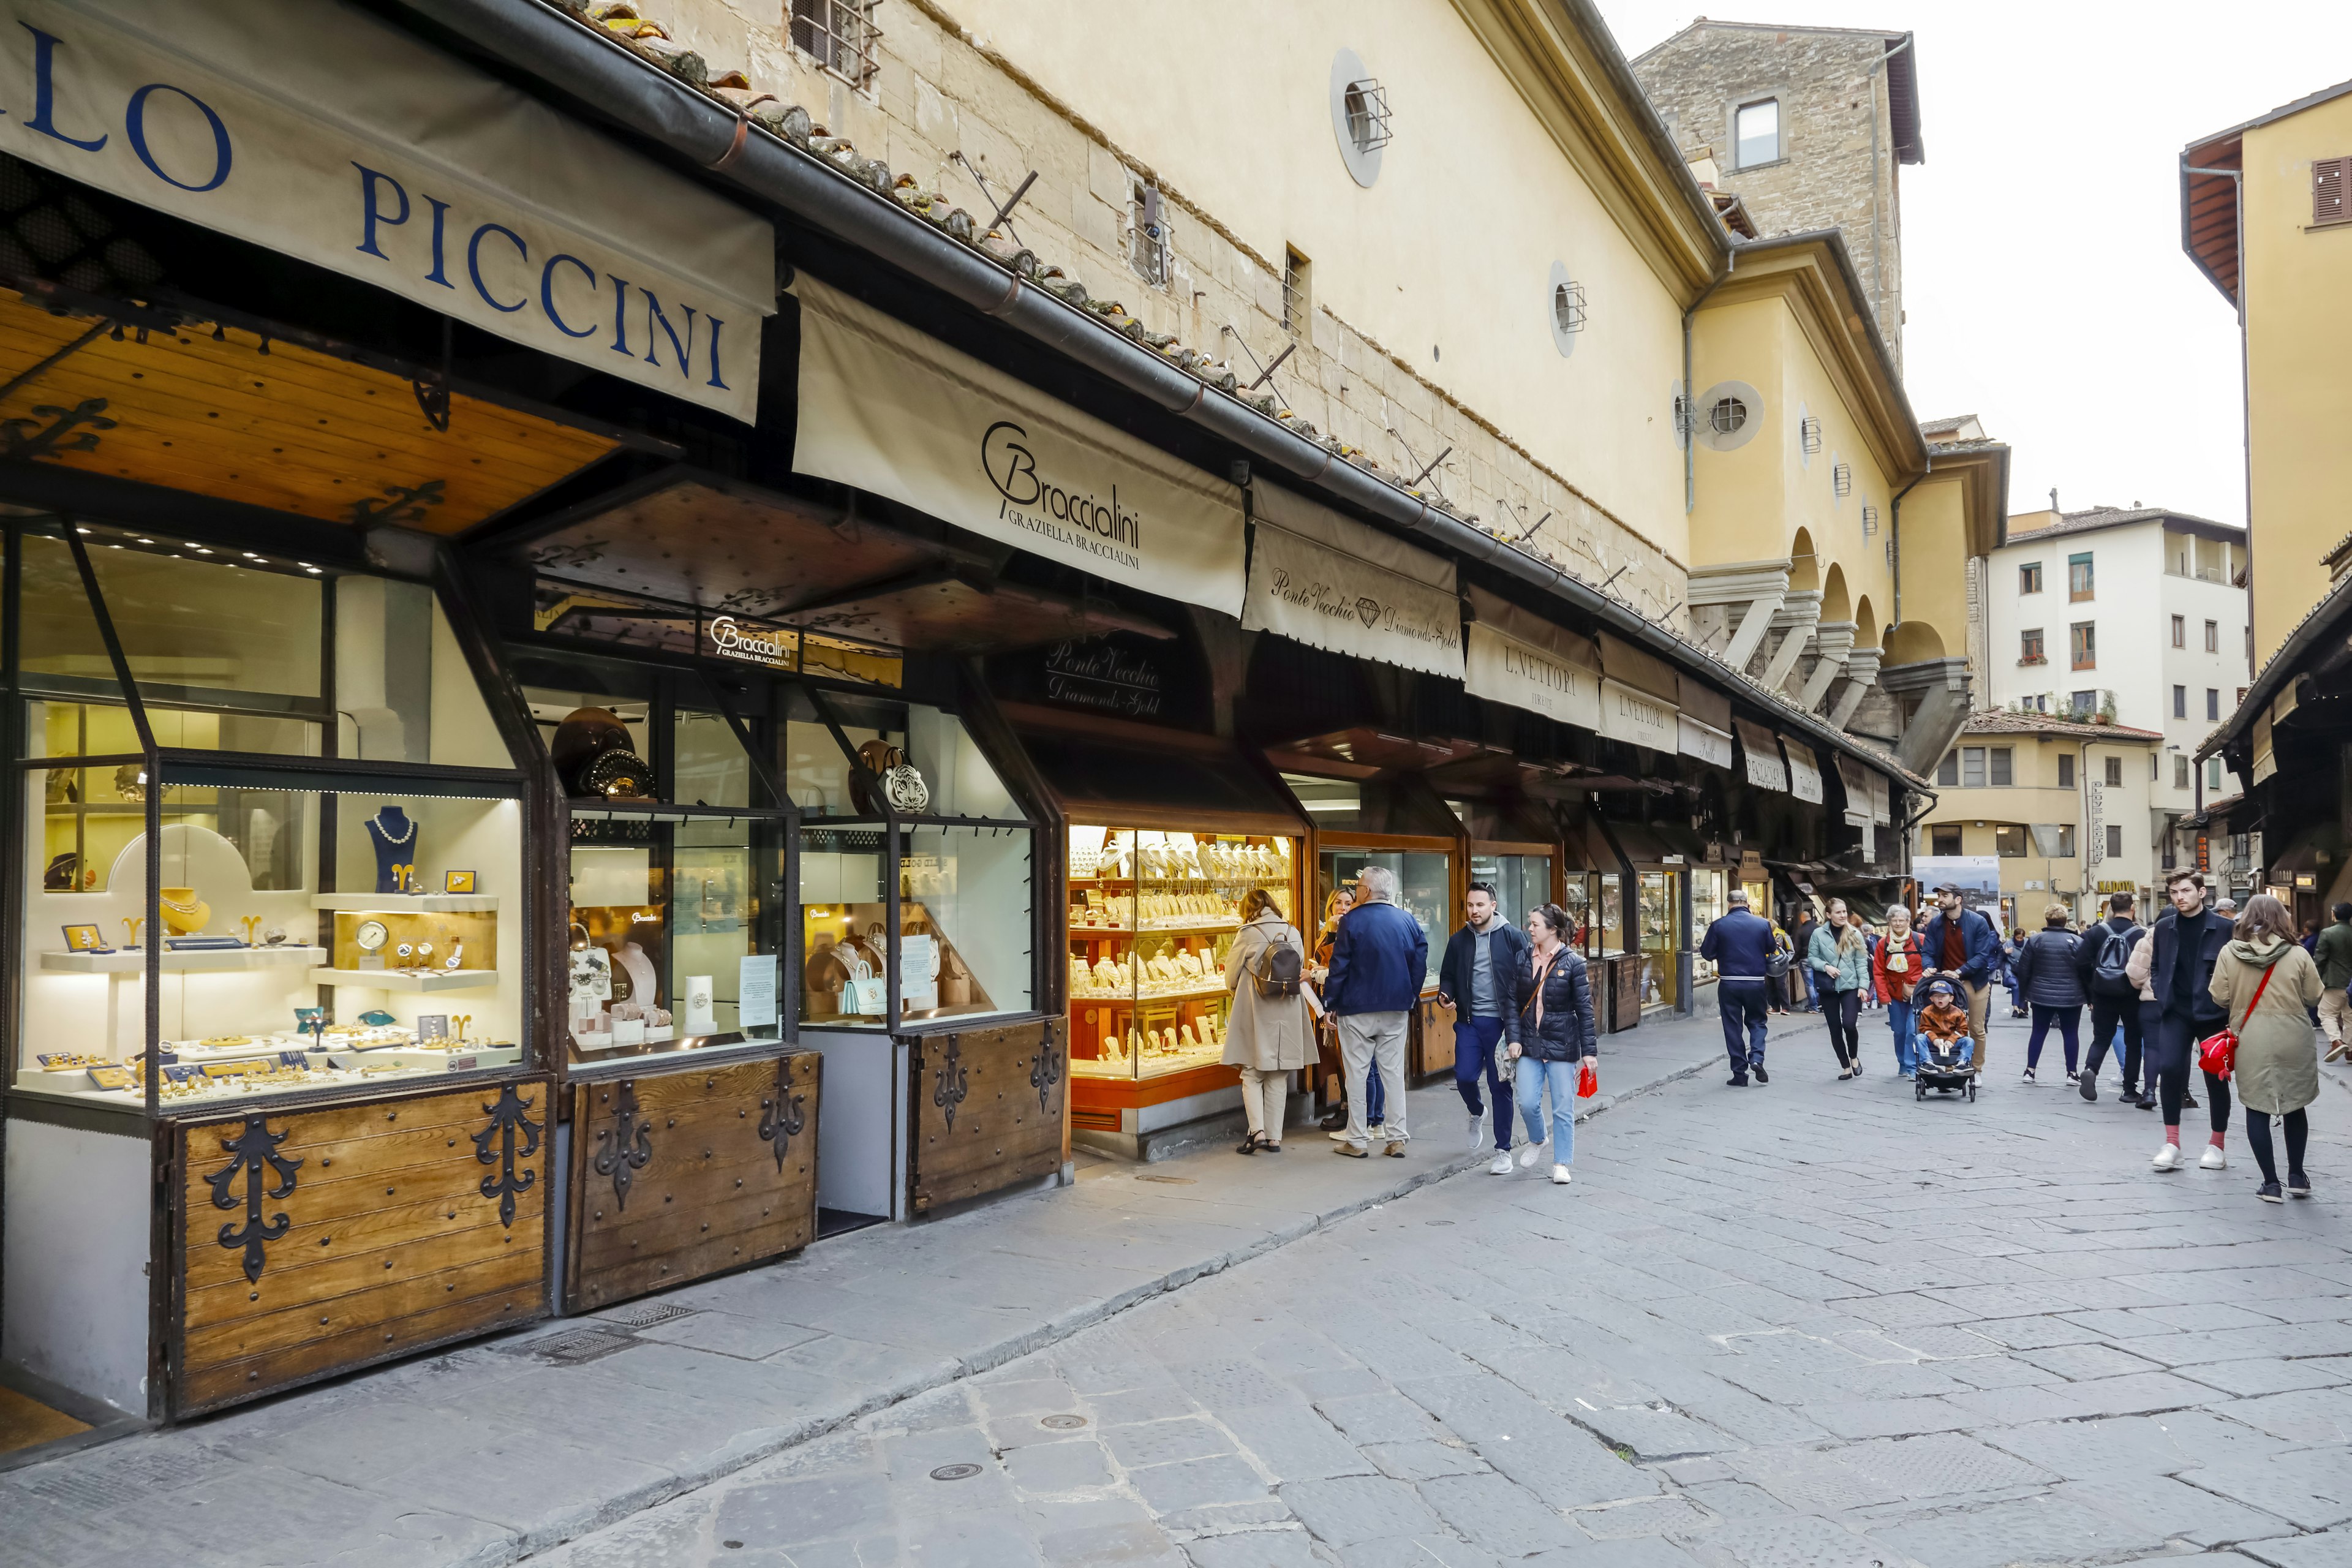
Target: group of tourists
1522, 999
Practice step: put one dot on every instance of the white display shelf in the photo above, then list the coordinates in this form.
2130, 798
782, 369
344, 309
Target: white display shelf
184, 962
1116, 998
399, 980
1189, 928
409, 904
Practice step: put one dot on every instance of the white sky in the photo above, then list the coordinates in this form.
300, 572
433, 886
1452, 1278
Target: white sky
2046, 288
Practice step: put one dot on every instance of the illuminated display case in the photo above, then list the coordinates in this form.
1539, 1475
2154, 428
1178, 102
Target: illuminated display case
1151, 917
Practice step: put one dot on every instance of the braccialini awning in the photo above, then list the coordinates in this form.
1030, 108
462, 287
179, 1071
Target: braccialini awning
313, 128
1333, 583
894, 411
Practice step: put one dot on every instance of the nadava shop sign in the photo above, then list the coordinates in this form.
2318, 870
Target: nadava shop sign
318, 131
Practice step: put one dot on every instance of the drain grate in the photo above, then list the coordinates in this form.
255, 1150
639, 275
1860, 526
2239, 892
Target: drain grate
579, 1346
646, 1314
955, 1472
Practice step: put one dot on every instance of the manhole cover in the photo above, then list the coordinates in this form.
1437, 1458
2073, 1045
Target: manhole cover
584, 1345
1063, 1422
1172, 1181
955, 1472
646, 1315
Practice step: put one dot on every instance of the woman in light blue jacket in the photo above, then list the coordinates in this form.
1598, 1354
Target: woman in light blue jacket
1841, 965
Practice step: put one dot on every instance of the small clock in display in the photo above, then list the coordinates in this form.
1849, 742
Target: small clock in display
372, 935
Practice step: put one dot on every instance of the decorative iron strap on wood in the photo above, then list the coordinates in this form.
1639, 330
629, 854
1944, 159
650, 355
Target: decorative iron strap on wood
1045, 1071
252, 1152
782, 1114
628, 1143
506, 1117
952, 1086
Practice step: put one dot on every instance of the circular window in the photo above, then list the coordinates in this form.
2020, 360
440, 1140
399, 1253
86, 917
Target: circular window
1567, 305
1360, 116
1728, 415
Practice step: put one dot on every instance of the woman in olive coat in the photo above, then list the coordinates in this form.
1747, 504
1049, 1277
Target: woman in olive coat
1268, 1037
2277, 1066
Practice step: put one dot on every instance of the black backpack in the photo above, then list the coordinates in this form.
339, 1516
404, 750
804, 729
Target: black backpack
2107, 976
1278, 969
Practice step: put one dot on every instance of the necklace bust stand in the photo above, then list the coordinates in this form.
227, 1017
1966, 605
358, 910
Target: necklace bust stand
393, 833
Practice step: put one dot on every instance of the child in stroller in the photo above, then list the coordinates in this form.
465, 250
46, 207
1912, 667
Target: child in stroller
1947, 1051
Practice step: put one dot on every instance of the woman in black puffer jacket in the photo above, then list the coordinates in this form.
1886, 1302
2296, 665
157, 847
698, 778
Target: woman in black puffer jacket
2047, 979
1549, 1027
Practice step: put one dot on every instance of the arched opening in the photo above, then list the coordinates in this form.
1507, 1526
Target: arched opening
1913, 642
1836, 603
1865, 624
1804, 569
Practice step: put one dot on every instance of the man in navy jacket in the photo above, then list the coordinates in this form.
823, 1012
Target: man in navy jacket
1379, 959
1739, 945
1474, 978
1959, 941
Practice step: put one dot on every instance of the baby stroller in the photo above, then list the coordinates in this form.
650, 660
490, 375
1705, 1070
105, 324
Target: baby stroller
1945, 1065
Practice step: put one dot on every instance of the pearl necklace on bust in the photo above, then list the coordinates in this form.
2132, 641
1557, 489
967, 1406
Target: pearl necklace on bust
375, 825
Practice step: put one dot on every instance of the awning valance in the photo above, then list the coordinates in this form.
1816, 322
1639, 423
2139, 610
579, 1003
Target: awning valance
1706, 722
1333, 583
1804, 772
1514, 656
1762, 755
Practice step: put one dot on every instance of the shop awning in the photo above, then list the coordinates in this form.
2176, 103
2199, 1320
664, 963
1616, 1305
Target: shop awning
231, 414
313, 128
889, 409
1640, 694
1762, 753
1516, 657
1110, 774
1332, 582
1706, 722
1804, 772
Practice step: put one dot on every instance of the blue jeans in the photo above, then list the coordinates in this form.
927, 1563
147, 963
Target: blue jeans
1744, 1004
1376, 1101
1813, 988
1477, 1050
1907, 1044
1533, 1076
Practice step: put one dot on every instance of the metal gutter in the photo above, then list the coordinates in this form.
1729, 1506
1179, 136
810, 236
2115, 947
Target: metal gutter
594, 69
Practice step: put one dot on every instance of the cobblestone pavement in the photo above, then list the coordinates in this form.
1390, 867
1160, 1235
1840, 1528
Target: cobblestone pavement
1813, 1323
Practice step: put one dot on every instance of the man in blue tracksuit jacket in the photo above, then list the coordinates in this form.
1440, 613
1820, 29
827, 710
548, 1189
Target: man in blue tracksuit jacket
1379, 960
1739, 945
1474, 978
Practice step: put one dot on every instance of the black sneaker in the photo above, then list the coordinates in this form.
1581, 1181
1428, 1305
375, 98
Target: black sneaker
2188, 1102
2298, 1186
1761, 1076
2269, 1192
2145, 1102
2088, 1085
1736, 1083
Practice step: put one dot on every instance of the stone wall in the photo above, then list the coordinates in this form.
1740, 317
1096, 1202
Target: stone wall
939, 91
1828, 97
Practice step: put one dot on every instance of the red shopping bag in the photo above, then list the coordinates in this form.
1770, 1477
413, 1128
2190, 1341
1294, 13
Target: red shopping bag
1587, 1081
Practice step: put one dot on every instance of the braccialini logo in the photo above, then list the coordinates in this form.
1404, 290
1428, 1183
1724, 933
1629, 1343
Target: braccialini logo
1080, 521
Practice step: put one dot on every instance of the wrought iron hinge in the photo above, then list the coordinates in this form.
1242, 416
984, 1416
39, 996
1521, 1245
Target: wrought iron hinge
506, 1117
253, 1152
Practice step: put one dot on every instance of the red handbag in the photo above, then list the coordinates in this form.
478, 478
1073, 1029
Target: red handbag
1587, 1081
2217, 1053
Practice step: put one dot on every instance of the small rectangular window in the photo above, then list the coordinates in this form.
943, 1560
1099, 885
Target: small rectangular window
1944, 839
840, 36
2212, 637
2086, 643
2180, 773
2029, 577
1297, 297
2180, 631
2115, 770
2028, 647
2078, 578
2212, 702
2066, 841
2083, 704
1755, 132
2114, 842
2066, 770
2004, 765
2009, 839
2327, 181
1972, 767
1947, 773
2180, 702
2212, 773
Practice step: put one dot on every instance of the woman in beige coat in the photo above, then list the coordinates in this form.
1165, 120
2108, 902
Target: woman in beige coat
1267, 1037
2278, 1061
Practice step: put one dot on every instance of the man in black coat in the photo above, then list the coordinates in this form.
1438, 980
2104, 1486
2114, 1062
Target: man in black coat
2101, 962
2176, 961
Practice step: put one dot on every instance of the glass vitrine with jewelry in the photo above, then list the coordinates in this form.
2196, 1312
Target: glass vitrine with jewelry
277, 831
1152, 916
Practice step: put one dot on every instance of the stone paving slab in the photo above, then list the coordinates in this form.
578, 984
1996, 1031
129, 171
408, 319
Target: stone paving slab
494, 1452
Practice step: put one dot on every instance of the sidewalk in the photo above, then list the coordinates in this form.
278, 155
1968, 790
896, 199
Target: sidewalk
488, 1454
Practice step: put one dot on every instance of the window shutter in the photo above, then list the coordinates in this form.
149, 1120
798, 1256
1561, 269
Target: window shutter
2327, 190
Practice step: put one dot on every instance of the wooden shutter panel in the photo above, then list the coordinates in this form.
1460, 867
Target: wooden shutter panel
2327, 190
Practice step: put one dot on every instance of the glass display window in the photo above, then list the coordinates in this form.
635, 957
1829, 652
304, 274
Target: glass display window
1521, 882
1152, 915
1576, 898
1424, 890
1710, 899
964, 916
1609, 897
1660, 894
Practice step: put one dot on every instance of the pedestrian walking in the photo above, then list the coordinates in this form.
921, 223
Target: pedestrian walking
1269, 1027
1804, 990
2266, 981
1894, 970
1743, 946
1779, 966
2115, 1003
2333, 952
2052, 988
1871, 939
2009, 951
1474, 978
1841, 966
2175, 965
1380, 957
1960, 941
1327, 1028
1551, 1034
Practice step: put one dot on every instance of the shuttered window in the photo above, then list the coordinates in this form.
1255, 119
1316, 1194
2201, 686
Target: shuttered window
2327, 177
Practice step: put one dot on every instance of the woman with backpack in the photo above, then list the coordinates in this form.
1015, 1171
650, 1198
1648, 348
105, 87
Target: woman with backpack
2047, 979
2277, 1060
1840, 961
1549, 1027
1268, 1034
1894, 968
1778, 969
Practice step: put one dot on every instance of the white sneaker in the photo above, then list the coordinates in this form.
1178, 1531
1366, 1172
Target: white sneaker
1478, 1128
2168, 1157
2029, 1075
2212, 1159
1501, 1166
1527, 1156
1560, 1175
1338, 1135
